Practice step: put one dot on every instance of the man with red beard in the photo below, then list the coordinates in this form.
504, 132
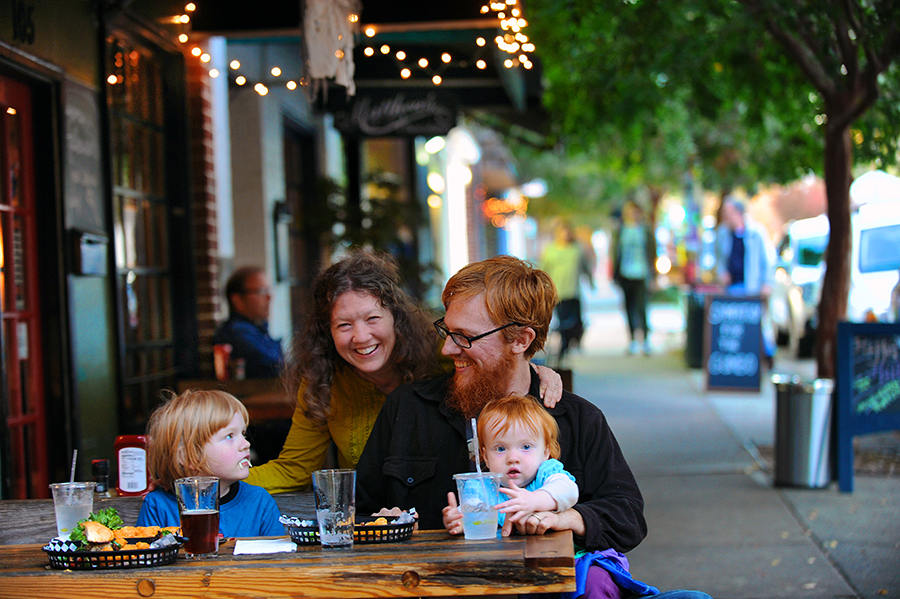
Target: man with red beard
498, 316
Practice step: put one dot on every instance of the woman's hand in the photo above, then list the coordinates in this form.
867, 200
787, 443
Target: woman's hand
551, 385
452, 515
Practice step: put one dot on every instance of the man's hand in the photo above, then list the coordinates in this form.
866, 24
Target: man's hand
452, 515
551, 385
537, 523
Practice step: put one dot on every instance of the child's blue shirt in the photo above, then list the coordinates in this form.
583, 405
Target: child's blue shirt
252, 512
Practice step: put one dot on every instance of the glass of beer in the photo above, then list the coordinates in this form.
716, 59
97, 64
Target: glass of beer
198, 505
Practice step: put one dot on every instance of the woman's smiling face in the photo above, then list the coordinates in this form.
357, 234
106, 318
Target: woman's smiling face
363, 333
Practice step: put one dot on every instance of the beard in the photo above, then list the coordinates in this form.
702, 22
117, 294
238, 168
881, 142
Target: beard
486, 383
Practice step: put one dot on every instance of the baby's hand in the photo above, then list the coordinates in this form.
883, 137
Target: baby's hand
452, 515
523, 503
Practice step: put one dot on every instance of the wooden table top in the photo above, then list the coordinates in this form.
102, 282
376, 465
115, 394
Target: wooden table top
431, 564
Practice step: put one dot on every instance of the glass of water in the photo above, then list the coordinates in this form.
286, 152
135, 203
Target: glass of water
335, 492
73, 502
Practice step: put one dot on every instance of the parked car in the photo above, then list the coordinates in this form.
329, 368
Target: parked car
875, 261
798, 283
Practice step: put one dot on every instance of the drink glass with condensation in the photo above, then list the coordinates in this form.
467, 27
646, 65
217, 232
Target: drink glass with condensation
198, 505
73, 502
479, 494
335, 492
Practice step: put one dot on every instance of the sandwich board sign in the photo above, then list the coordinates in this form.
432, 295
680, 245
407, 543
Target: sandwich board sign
732, 345
868, 387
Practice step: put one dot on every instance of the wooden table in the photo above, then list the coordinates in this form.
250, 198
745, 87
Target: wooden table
431, 564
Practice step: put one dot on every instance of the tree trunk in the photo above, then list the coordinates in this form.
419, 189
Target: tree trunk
836, 284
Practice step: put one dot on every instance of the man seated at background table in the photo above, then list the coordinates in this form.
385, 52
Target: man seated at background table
498, 316
247, 328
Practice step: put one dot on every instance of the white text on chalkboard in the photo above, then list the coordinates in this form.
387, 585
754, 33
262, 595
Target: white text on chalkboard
740, 364
733, 312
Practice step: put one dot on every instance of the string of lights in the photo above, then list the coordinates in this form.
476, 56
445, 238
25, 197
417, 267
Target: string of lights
512, 39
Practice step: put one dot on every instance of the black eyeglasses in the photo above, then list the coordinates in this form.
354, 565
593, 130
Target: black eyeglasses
462, 340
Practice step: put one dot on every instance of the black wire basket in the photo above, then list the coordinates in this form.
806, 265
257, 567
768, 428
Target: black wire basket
362, 533
91, 560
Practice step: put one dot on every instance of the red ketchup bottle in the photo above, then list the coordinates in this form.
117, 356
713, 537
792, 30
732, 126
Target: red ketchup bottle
131, 456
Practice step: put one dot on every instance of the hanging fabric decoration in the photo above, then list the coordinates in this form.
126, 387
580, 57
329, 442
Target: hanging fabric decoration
329, 27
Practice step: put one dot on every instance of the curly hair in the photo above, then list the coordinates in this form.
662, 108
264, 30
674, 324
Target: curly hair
314, 359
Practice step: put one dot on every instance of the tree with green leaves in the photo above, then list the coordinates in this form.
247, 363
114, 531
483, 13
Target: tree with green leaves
752, 91
848, 51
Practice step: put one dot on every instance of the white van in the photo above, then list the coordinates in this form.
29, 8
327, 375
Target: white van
798, 283
874, 262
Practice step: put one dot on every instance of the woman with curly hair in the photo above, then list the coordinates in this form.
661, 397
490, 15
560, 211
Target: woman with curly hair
364, 338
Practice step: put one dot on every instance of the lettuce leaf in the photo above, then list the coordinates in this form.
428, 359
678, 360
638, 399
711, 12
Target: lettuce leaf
108, 518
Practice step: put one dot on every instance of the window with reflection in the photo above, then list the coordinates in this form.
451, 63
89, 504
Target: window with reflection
135, 81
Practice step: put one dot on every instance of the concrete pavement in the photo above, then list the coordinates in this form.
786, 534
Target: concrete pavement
716, 522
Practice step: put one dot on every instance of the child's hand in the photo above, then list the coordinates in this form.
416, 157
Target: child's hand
452, 515
522, 503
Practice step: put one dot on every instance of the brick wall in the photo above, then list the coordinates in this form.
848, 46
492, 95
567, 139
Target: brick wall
204, 209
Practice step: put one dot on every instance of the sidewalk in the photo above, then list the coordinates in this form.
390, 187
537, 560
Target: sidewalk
716, 522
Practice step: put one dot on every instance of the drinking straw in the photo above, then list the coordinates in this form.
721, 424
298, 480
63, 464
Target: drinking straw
72, 474
478, 458
475, 441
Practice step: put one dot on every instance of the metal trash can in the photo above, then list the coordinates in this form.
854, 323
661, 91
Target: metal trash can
802, 432
693, 350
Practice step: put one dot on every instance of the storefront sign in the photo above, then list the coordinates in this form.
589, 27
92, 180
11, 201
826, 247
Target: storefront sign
733, 342
868, 387
396, 113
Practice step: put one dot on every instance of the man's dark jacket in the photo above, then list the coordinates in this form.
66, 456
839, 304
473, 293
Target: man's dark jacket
418, 444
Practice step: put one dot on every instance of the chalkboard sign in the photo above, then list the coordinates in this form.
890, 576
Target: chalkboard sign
868, 387
732, 342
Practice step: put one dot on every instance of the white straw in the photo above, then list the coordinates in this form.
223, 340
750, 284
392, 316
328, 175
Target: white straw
478, 458
477, 450
74, 458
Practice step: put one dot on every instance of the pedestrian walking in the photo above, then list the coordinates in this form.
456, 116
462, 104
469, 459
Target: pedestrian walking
633, 250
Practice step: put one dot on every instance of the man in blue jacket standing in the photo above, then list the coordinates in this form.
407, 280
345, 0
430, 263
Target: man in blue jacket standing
745, 262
